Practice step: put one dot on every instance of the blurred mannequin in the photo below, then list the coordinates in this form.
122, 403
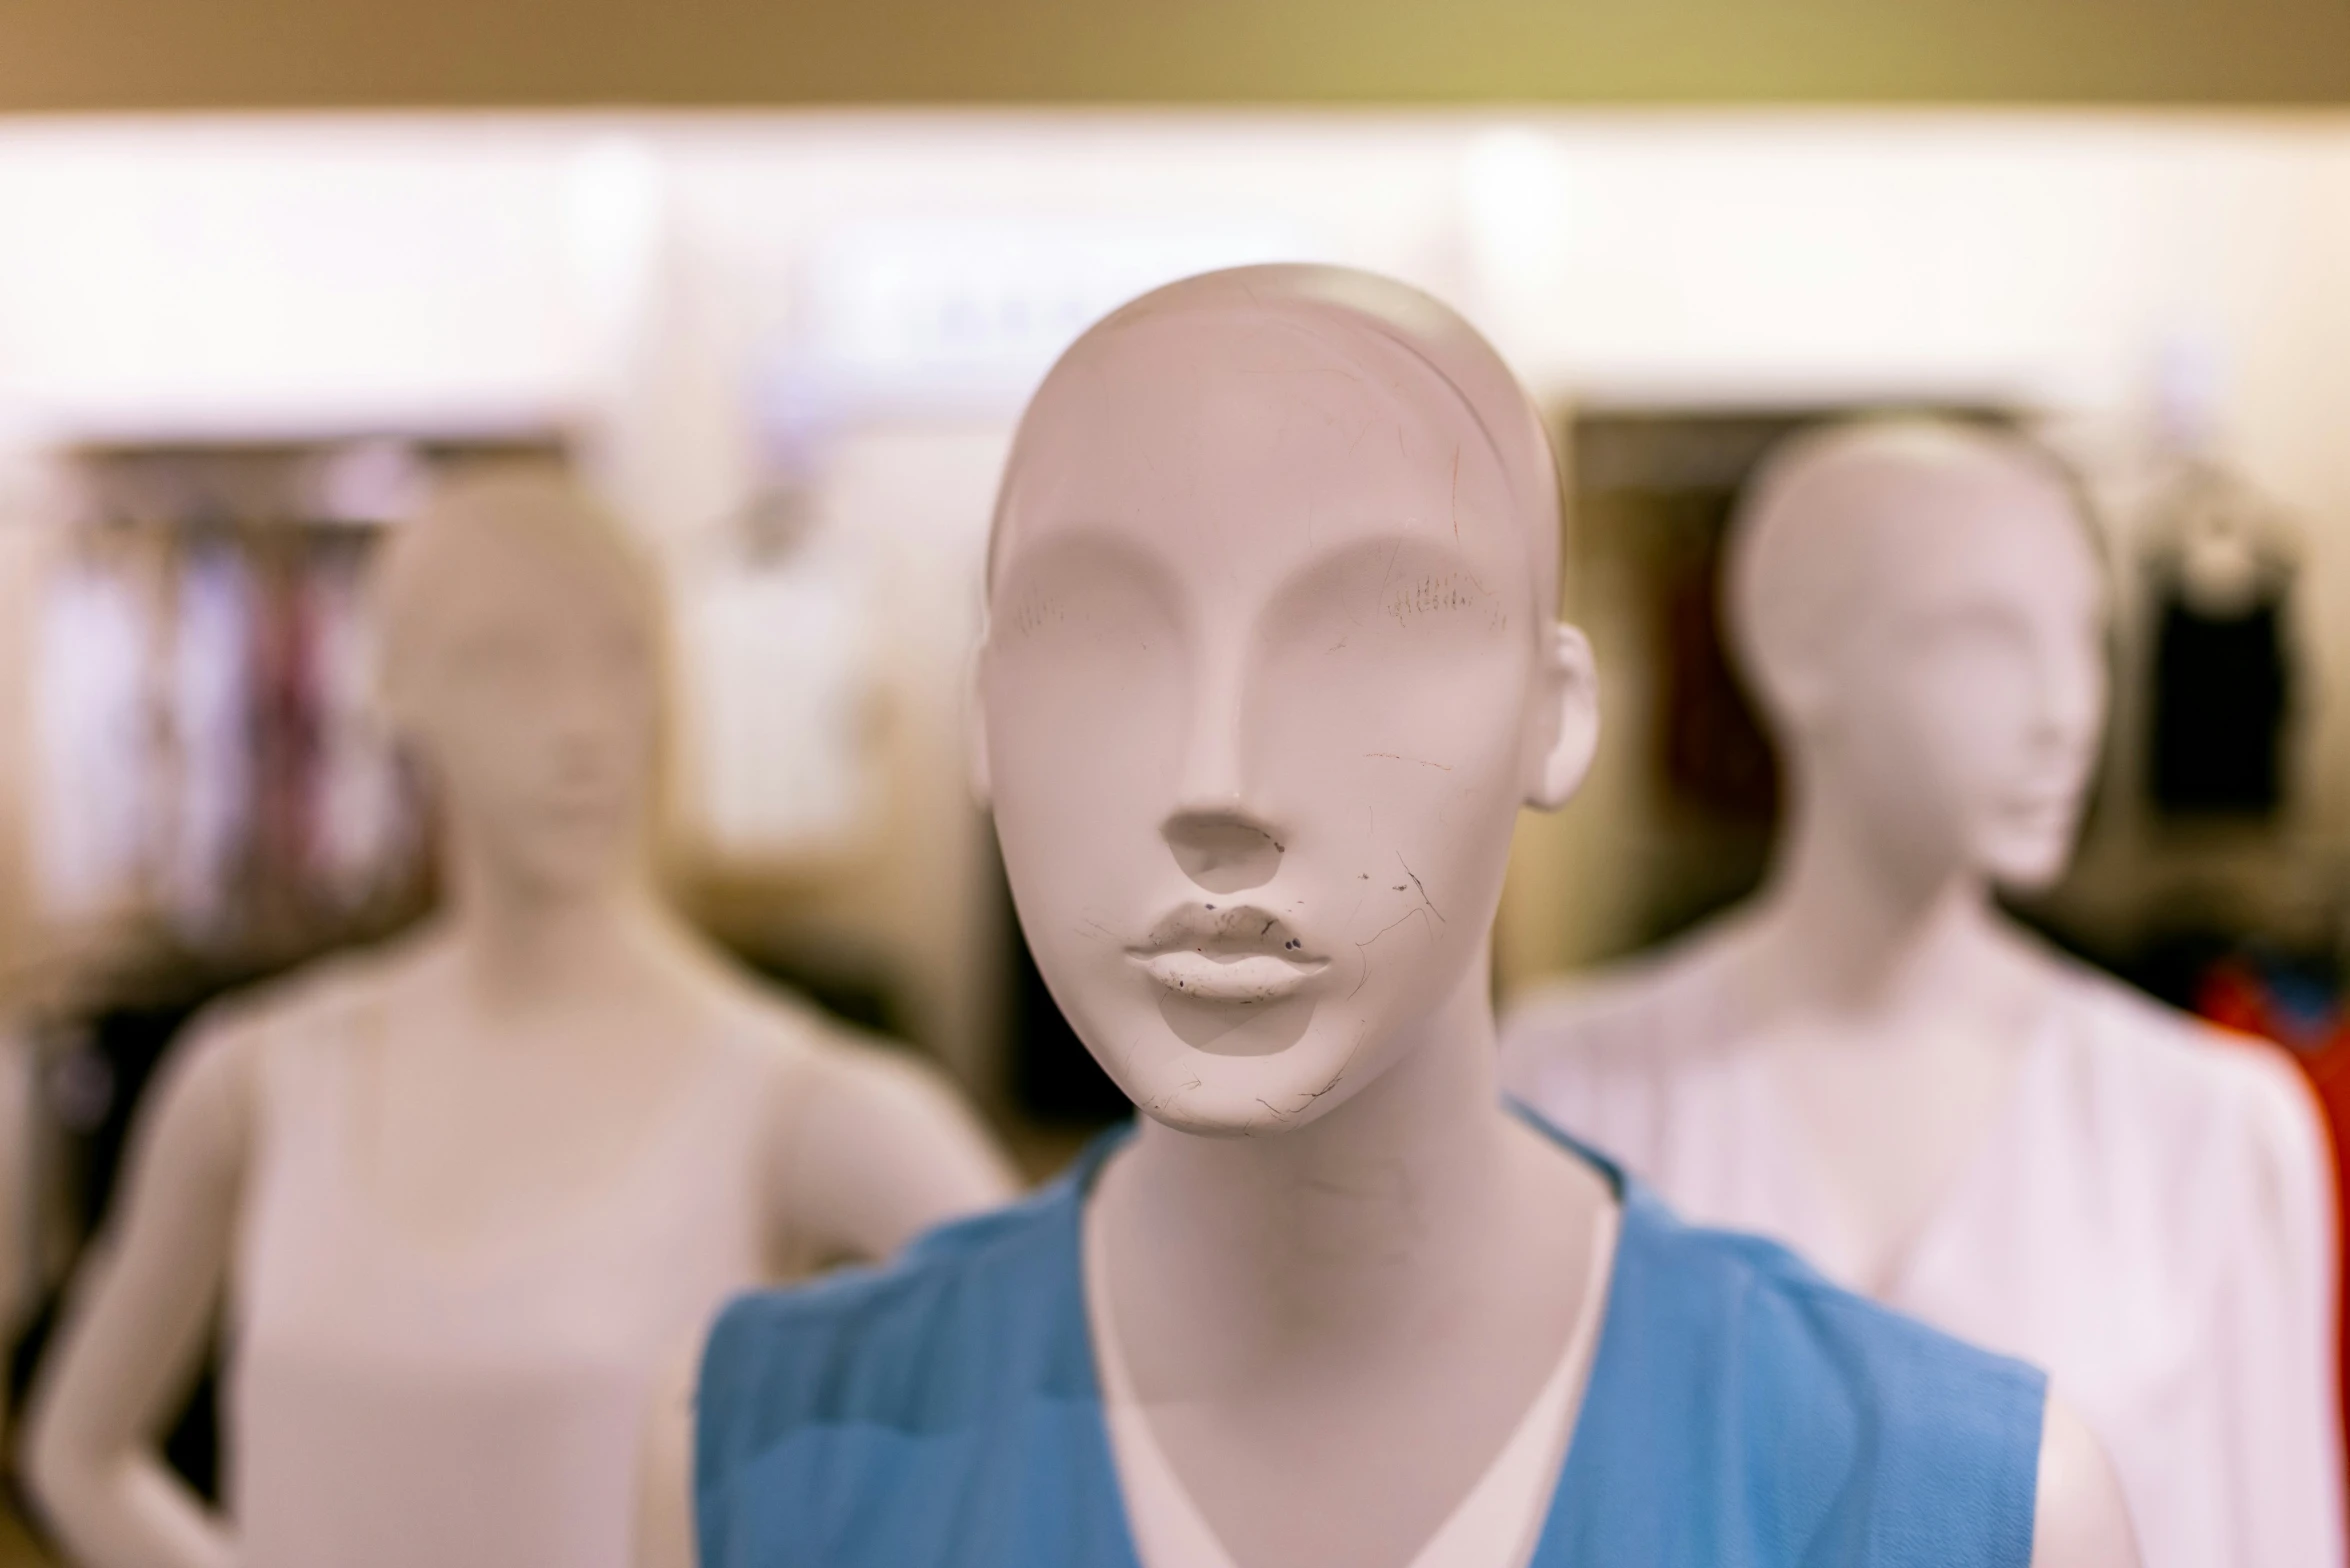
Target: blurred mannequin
1270, 668
465, 1194
1870, 1063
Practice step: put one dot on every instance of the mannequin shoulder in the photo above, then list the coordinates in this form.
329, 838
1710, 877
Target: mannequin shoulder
221, 1054
874, 1143
317, 998
1626, 1021
868, 1101
2214, 1140
202, 1114
806, 1058
2205, 1090
198, 1122
219, 1063
2080, 1519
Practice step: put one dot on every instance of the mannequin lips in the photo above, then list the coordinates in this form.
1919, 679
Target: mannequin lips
1236, 953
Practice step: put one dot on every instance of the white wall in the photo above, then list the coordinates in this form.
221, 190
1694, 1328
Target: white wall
639, 276
266, 275
283, 270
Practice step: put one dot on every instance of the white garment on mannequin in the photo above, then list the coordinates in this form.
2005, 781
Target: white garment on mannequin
1496, 1526
2141, 1219
394, 1401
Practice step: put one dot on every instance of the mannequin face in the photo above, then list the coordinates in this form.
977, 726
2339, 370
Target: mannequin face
1260, 692
528, 692
1959, 712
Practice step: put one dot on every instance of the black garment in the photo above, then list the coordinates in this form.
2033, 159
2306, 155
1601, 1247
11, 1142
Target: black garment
2221, 689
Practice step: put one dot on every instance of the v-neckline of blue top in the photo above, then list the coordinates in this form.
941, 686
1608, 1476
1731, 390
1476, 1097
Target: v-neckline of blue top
1101, 1456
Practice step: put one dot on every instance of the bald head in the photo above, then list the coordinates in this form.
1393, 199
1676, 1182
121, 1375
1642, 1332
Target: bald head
521, 669
1294, 323
505, 533
1847, 525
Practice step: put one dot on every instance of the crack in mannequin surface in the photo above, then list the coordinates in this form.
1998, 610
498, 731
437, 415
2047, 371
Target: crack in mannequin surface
1271, 666
463, 1194
1870, 1062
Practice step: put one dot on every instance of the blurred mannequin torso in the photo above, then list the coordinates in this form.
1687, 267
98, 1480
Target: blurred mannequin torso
416, 1377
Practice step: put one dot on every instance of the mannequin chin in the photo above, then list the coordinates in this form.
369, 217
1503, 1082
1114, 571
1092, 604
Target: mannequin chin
1283, 836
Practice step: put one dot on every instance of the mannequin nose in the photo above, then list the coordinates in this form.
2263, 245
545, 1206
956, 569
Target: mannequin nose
1222, 851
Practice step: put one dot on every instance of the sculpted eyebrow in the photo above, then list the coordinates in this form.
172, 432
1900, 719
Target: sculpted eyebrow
1051, 570
1416, 573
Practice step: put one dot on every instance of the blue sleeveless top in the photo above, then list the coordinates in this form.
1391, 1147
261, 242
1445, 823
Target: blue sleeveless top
1741, 1412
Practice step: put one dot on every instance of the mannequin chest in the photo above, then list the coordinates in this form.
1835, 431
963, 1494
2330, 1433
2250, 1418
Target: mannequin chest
1880, 1126
458, 1136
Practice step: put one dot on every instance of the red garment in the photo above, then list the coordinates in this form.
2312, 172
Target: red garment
2234, 996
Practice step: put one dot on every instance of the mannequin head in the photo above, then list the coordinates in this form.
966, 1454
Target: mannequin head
1271, 665
520, 671
1920, 607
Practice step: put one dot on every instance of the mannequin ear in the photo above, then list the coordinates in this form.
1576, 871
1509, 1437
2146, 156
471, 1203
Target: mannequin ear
1566, 696
975, 765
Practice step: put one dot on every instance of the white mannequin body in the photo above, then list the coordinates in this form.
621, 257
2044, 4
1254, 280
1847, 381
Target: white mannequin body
1854, 1062
509, 1067
1270, 670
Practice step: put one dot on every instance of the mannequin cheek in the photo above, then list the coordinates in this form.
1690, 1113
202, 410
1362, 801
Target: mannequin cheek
461, 775
1891, 772
1079, 805
1420, 888
1079, 842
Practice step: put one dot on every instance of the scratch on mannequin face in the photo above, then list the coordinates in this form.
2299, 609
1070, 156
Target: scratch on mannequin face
1363, 948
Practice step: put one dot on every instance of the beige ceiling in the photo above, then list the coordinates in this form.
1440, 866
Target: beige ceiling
137, 54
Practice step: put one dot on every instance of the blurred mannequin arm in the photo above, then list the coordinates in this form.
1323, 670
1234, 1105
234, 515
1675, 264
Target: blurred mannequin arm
877, 1148
2080, 1520
664, 1506
135, 1329
2274, 1334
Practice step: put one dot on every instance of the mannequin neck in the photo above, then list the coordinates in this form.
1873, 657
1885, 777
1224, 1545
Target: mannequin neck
1844, 929
1343, 1227
521, 948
